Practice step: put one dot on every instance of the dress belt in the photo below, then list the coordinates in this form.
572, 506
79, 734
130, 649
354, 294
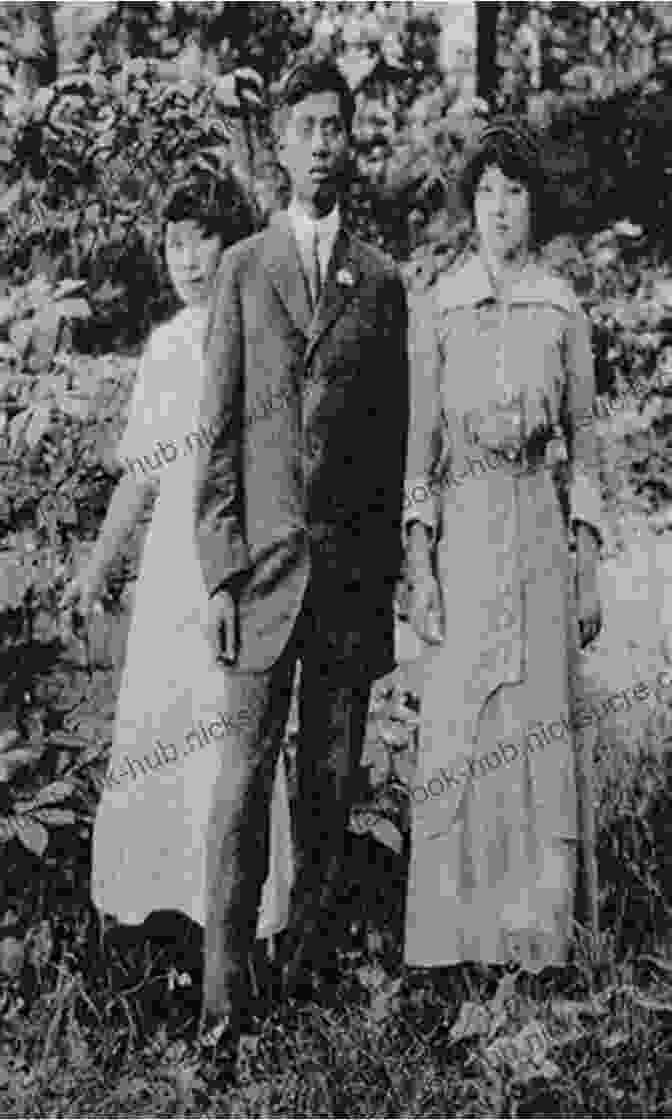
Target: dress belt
528, 458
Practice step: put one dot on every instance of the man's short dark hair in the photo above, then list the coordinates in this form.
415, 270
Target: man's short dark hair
316, 75
216, 201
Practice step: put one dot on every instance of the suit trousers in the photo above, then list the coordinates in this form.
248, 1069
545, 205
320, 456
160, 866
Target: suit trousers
333, 704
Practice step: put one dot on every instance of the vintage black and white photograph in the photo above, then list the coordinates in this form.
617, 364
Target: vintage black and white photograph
335, 559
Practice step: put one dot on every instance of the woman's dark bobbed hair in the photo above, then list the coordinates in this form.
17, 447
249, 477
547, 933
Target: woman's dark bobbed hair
508, 144
215, 199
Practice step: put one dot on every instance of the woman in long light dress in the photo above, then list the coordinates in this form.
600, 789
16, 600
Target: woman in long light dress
502, 468
172, 720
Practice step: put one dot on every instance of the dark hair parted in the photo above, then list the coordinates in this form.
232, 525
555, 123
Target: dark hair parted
508, 144
216, 201
315, 74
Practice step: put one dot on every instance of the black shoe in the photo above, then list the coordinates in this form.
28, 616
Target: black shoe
267, 987
327, 985
217, 1049
299, 985
307, 984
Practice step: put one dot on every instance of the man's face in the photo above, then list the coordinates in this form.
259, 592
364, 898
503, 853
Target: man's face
314, 149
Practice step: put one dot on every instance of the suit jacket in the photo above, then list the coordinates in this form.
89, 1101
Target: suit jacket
304, 476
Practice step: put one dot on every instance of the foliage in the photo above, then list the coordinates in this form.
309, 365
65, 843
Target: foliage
637, 885
28, 52
607, 158
586, 50
628, 296
263, 36
34, 317
87, 162
595, 78
86, 159
56, 483
108, 1033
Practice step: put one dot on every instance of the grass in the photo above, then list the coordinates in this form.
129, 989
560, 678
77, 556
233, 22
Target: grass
87, 1031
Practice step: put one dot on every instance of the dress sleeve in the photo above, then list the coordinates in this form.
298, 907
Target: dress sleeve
421, 497
161, 404
137, 439
584, 493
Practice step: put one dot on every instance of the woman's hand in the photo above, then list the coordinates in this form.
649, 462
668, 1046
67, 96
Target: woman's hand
425, 608
425, 612
589, 607
82, 595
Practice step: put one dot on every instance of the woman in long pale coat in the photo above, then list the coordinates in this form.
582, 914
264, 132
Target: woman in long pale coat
502, 416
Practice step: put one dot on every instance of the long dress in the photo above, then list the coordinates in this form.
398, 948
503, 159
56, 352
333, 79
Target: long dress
172, 719
502, 461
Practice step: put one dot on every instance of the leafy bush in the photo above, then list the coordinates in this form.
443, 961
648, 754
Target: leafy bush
586, 50
86, 163
633, 847
264, 36
55, 483
86, 159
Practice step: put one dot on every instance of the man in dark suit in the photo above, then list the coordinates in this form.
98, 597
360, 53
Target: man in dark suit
298, 523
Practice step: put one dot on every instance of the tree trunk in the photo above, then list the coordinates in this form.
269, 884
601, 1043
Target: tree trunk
34, 45
487, 72
48, 61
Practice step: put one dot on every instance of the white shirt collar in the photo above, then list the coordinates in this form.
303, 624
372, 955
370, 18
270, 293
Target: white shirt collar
305, 228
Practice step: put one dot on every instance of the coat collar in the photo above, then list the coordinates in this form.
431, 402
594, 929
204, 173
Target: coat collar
283, 265
470, 285
305, 227
340, 283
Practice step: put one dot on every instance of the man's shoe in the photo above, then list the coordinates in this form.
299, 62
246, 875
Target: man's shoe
313, 985
267, 987
300, 985
218, 1054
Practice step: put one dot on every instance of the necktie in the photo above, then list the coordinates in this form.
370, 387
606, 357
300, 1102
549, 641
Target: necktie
315, 272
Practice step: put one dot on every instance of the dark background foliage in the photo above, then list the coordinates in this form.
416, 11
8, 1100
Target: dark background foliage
100, 107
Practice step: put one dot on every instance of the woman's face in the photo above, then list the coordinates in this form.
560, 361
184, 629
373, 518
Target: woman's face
502, 212
192, 257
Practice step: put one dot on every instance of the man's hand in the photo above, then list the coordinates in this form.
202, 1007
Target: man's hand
222, 629
589, 607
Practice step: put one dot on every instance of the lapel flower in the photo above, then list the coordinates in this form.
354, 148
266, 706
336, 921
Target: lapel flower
345, 277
